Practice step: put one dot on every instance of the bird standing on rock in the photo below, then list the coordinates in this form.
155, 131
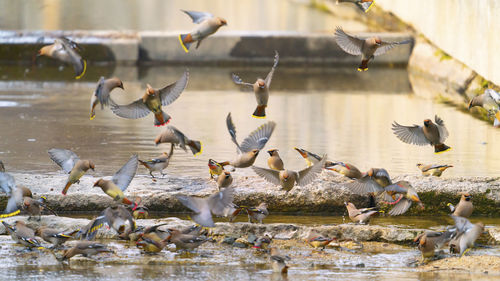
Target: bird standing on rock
66, 51
208, 25
433, 170
274, 161
158, 164
258, 213
86, 248
152, 101
172, 135
367, 48
489, 100
431, 133
71, 164
184, 241
22, 234
464, 207
102, 93
361, 216
261, 89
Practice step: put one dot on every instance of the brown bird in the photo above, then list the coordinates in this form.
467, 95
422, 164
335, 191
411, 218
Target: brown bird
489, 100
433, 170
102, 93
141, 211
224, 180
316, 240
274, 162
118, 218
71, 164
466, 235
185, 241
174, 136
346, 169
262, 242
372, 181
407, 195
367, 48
16, 200
278, 261
203, 208
22, 234
54, 236
287, 179
251, 145
35, 207
361, 216
430, 241
66, 51
158, 164
215, 168
430, 133
86, 248
258, 213
464, 208
260, 88
120, 181
364, 5
152, 101
208, 25
151, 243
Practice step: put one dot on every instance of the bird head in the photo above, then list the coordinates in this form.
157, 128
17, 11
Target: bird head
99, 182
149, 90
221, 21
466, 196
227, 174
261, 83
420, 165
378, 41
45, 51
427, 122
370, 172
272, 151
91, 165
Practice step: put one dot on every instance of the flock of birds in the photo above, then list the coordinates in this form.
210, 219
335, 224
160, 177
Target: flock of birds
121, 216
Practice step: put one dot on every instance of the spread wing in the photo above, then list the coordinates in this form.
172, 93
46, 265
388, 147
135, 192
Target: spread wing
76, 60
410, 134
364, 185
124, 176
66, 159
198, 17
386, 46
397, 187
135, 110
7, 183
202, 214
269, 76
350, 44
269, 175
493, 94
99, 93
309, 174
401, 207
219, 201
258, 138
443, 132
232, 131
237, 80
171, 92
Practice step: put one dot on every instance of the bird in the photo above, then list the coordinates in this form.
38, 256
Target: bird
258, 213
102, 93
346, 169
86, 248
361, 216
490, 101
278, 261
2, 167
120, 181
224, 180
150, 243
203, 208
317, 241
364, 5
116, 217
158, 164
260, 88
152, 101
407, 195
16, 200
215, 168
373, 181
287, 178
431, 133
367, 48
309, 157
464, 207
433, 170
262, 242
429, 241
7, 181
141, 211
54, 236
185, 241
466, 234
172, 135
66, 50
251, 145
35, 207
274, 161
22, 234
208, 25
71, 164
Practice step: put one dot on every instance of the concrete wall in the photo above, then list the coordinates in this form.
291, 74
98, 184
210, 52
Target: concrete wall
468, 30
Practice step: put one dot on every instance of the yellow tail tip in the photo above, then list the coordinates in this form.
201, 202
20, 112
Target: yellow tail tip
10, 214
84, 70
201, 150
92, 117
373, 2
182, 44
41, 248
259, 117
439, 152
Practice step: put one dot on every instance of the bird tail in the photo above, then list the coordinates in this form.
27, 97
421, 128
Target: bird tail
439, 148
145, 164
127, 201
363, 66
195, 146
496, 122
186, 40
260, 111
78, 76
65, 190
10, 214
161, 119
452, 208
225, 163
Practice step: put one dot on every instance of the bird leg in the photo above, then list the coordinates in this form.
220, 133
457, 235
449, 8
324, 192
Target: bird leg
151, 173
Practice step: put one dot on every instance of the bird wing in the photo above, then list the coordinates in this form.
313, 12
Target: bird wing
364, 6
237, 80
66, 159
99, 93
364, 185
198, 17
462, 224
219, 201
232, 131
15, 200
258, 138
350, 44
124, 176
269, 76
171, 92
410, 134
202, 214
386, 46
397, 188
309, 174
75, 58
493, 94
443, 132
97, 224
269, 175
135, 110
401, 207
180, 136
70, 43
7, 183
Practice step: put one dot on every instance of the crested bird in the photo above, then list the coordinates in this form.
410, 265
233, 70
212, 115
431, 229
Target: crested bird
430, 134
172, 135
433, 169
65, 50
102, 92
278, 261
464, 207
141, 211
224, 180
16, 200
362, 215
116, 217
466, 235
215, 168
22, 234
317, 241
71, 164
86, 248
35, 207
407, 195
185, 241
429, 241
207, 25
54, 236
274, 161
159, 163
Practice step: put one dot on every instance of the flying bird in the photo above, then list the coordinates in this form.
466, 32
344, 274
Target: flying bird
260, 88
71, 164
117, 217
66, 51
466, 235
208, 25
102, 92
489, 100
172, 135
433, 170
430, 134
152, 101
407, 195
367, 48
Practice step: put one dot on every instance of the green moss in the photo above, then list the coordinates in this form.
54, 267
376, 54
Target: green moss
442, 55
320, 5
